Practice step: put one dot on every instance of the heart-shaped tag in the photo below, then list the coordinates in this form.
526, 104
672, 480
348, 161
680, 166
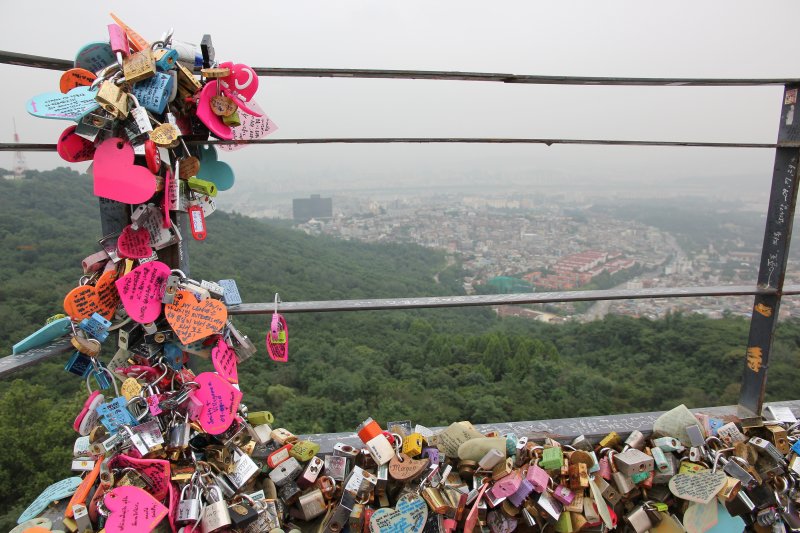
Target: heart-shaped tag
132, 510
134, 243
700, 487
220, 402
88, 416
278, 339
224, 359
192, 319
74, 148
56, 491
81, 302
142, 289
408, 516
95, 56
699, 517
251, 127
242, 80
217, 172
70, 106
207, 116
117, 178
404, 468
75, 77
157, 470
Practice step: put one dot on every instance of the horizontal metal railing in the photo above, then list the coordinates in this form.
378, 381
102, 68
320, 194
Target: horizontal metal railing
27, 60
430, 302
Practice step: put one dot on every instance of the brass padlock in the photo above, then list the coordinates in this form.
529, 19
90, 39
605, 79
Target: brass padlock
139, 66
113, 99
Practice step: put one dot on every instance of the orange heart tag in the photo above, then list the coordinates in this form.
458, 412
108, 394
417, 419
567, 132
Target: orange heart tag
102, 298
192, 319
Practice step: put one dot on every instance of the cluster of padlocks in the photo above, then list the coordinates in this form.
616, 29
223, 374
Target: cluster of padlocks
161, 448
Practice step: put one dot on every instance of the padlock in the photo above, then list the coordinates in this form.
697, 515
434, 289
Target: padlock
113, 99
696, 437
492, 458
166, 59
139, 66
623, 482
189, 507
136, 440
304, 450
578, 476
638, 519
313, 470
244, 469
563, 494
608, 491
311, 504
668, 444
552, 458
243, 511
215, 513
79, 364
538, 478
153, 93
635, 440
633, 461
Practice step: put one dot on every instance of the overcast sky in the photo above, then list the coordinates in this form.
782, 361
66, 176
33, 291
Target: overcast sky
622, 38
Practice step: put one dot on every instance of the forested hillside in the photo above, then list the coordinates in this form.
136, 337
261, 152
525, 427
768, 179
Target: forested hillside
434, 367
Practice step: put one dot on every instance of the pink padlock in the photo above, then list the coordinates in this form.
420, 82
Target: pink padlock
563, 494
605, 468
538, 477
193, 407
506, 486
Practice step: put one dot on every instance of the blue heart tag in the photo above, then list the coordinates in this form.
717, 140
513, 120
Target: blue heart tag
95, 56
56, 491
217, 172
70, 106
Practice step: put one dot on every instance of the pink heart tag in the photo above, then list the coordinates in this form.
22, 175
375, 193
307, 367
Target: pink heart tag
207, 117
220, 402
132, 510
134, 243
224, 359
117, 178
142, 289
157, 470
74, 148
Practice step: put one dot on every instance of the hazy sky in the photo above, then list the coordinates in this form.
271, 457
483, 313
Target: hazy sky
622, 38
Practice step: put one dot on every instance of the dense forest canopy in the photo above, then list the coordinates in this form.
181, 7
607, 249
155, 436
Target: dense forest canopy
433, 367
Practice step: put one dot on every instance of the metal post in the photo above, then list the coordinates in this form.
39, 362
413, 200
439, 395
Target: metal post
774, 255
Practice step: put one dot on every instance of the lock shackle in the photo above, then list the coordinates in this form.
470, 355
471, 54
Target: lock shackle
212, 488
138, 399
106, 371
714, 439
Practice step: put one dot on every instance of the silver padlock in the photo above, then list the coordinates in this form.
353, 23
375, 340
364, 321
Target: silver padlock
262, 433
189, 508
285, 472
638, 519
633, 461
215, 514
136, 441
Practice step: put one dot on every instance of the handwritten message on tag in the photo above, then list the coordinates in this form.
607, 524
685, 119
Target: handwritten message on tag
158, 470
82, 302
56, 491
220, 402
454, 436
134, 243
74, 148
225, 362
700, 487
404, 468
132, 510
153, 93
75, 77
252, 127
141, 291
70, 106
192, 319
409, 515
95, 56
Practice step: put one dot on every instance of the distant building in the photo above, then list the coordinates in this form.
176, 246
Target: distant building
304, 209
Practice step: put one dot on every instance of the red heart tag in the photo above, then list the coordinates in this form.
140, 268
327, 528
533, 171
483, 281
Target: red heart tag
74, 148
134, 243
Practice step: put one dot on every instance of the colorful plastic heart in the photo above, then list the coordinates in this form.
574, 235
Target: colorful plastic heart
220, 402
70, 106
56, 491
213, 170
192, 319
134, 243
224, 359
142, 289
157, 470
48, 332
242, 80
278, 339
75, 77
117, 178
409, 515
252, 127
132, 510
95, 56
74, 148
81, 302
207, 116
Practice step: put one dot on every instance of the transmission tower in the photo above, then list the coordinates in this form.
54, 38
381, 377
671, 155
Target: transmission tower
20, 167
